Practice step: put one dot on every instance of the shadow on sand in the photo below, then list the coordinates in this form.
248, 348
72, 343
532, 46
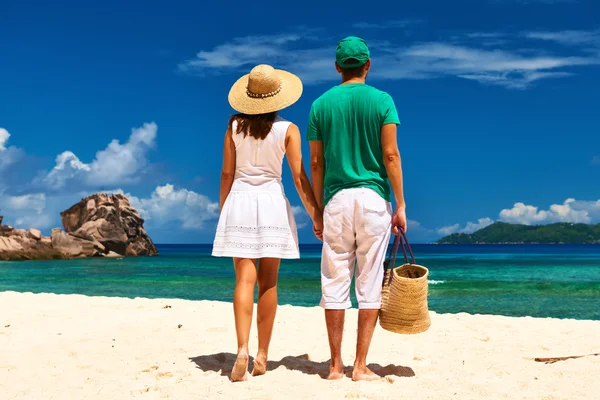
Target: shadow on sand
223, 363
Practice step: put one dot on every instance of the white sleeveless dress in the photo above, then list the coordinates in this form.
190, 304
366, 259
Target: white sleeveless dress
257, 220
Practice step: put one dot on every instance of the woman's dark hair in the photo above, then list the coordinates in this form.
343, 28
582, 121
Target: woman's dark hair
257, 126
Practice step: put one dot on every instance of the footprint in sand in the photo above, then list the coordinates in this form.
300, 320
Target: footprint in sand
145, 390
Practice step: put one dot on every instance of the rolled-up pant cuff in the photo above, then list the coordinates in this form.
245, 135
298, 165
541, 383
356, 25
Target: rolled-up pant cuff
335, 306
369, 306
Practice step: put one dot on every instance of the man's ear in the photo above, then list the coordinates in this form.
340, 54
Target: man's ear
368, 65
337, 68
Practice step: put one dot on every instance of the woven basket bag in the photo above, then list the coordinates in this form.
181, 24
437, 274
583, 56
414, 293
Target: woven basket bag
404, 295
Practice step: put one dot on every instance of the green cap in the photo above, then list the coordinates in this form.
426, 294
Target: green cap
352, 47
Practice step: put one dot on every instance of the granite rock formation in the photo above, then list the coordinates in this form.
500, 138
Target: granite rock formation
111, 222
99, 225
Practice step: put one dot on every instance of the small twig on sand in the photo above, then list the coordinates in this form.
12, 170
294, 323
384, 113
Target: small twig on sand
552, 360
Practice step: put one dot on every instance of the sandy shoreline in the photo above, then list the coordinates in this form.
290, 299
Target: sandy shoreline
78, 347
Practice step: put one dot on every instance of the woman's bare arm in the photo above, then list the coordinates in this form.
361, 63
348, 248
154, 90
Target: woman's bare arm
228, 169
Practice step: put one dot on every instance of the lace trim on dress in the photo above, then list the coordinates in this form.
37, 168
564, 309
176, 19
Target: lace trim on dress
250, 229
255, 246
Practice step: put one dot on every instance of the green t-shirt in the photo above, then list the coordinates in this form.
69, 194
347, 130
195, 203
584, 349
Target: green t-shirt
348, 119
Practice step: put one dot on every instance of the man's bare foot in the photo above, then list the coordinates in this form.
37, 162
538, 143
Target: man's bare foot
240, 368
364, 374
335, 373
260, 365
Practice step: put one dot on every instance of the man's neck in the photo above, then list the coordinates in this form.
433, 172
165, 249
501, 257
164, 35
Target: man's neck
354, 81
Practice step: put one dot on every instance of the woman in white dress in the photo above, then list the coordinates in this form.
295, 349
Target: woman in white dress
256, 226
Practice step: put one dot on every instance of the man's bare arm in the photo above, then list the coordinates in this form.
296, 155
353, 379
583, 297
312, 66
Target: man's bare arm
393, 166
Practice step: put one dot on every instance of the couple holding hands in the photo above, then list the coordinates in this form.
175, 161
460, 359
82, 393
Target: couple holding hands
354, 159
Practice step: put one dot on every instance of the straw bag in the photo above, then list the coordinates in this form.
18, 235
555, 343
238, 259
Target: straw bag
404, 295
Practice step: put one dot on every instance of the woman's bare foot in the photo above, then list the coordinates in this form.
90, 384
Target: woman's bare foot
335, 373
260, 365
364, 374
240, 368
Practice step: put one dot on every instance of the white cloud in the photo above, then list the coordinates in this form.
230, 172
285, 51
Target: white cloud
26, 211
8, 155
35, 202
301, 217
304, 54
412, 224
68, 167
498, 67
4, 135
115, 165
570, 211
568, 37
242, 51
475, 226
298, 211
188, 209
469, 228
448, 230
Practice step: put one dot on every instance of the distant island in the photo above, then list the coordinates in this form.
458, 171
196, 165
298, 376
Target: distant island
505, 233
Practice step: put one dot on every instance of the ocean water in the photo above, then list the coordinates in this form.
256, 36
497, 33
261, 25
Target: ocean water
515, 280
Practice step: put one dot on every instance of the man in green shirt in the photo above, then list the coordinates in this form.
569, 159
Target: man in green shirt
354, 153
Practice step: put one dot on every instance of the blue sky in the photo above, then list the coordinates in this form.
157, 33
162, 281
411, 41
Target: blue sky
498, 101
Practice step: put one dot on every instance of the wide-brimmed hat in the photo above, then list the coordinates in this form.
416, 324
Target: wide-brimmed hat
265, 90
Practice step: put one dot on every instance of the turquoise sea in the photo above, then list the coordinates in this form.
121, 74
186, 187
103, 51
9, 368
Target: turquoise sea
517, 280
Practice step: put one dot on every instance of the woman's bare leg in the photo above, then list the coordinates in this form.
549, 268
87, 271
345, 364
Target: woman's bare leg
268, 270
243, 305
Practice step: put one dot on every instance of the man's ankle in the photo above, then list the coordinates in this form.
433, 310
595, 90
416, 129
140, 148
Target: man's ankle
337, 365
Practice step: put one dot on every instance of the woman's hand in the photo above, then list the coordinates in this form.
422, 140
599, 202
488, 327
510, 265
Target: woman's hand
318, 228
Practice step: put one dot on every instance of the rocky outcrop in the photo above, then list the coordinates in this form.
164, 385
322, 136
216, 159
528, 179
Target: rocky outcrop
111, 221
99, 225
73, 247
34, 234
16, 245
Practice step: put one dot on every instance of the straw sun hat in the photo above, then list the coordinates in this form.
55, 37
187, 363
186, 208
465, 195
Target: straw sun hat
265, 90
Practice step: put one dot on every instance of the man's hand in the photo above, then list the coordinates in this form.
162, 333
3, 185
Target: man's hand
399, 220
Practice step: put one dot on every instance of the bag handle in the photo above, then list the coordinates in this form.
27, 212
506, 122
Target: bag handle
406, 247
400, 240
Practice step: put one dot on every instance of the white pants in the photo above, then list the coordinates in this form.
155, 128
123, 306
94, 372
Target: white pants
357, 228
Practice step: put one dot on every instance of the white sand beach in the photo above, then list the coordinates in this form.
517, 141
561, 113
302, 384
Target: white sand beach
77, 347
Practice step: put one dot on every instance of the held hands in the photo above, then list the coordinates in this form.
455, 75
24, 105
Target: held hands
399, 220
318, 227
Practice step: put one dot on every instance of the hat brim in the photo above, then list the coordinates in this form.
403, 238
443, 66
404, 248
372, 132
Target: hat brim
291, 90
342, 62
